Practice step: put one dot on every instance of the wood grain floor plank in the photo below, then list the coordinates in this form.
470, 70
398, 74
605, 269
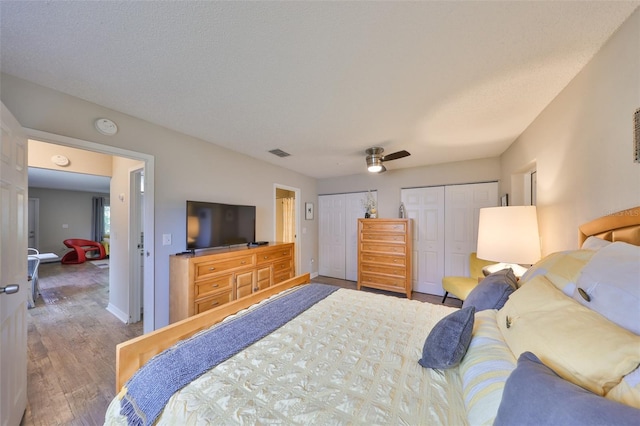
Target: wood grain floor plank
71, 347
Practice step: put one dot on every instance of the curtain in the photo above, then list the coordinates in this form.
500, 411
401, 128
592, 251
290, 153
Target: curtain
288, 220
97, 220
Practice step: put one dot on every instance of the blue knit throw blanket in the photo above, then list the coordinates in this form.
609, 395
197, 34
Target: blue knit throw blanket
148, 391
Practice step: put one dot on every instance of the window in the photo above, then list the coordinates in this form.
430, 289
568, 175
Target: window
107, 220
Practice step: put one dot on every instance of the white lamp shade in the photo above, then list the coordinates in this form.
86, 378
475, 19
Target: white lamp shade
509, 234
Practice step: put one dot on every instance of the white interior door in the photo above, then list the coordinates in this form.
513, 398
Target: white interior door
13, 270
426, 207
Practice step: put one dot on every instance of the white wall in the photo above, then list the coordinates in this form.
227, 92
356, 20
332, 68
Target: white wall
389, 183
80, 161
185, 168
58, 208
582, 144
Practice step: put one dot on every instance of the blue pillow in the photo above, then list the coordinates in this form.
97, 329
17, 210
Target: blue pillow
448, 341
535, 395
493, 291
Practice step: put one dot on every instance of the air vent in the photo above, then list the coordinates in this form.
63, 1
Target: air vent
636, 136
280, 153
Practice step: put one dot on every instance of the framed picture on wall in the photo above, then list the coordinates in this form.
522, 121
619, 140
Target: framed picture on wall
504, 200
308, 211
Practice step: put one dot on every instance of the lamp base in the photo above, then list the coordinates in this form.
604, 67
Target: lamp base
517, 269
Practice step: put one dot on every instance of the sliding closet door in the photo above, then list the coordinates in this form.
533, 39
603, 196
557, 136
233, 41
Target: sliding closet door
331, 227
338, 228
426, 207
463, 204
354, 211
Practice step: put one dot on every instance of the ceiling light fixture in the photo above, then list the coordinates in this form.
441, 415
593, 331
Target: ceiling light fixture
374, 160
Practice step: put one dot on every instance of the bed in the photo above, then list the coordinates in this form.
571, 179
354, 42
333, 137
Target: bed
533, 351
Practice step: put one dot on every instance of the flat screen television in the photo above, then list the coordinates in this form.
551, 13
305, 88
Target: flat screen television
218, 225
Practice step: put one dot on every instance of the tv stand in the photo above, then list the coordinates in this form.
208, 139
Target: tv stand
212, 278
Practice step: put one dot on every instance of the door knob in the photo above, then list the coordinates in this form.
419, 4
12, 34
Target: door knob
10, 289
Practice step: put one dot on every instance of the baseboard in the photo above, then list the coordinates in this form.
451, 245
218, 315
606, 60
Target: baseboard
314, 274
118, 313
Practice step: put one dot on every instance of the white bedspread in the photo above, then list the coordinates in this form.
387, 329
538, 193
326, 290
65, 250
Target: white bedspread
350, 359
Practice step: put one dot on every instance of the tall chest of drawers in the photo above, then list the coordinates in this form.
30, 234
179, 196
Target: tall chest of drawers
209, 279
384, 254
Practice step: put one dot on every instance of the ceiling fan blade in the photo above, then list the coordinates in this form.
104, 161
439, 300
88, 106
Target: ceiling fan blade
395, 155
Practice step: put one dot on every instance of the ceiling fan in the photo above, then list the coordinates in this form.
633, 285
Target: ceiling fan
375, 158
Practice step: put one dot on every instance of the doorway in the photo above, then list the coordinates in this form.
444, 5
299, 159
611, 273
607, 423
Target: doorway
286, 207
120, 272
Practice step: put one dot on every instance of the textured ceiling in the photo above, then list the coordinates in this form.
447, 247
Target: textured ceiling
323, 81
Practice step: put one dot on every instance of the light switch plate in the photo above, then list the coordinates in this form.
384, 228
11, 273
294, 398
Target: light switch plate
166, 239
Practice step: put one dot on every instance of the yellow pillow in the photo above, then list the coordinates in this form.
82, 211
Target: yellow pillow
628, 390
562, 268
580, 345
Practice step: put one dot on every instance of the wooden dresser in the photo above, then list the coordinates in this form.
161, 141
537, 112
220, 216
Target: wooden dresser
214, 277
384, 254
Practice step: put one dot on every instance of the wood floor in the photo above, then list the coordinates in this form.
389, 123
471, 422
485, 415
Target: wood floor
71, 347
72, 340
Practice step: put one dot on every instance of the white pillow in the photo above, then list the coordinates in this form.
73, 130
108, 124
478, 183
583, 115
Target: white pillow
611, 282
594, 243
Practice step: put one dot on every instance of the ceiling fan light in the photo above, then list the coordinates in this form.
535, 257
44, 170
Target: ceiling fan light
374, 165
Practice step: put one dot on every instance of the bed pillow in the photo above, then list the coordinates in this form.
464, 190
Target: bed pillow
594, 243
448, 341
610, 285
561, 268
579, 344
532, 393
493, 291
628, 390
485, 369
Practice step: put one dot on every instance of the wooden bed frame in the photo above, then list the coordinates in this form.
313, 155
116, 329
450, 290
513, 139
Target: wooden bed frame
620, 226
132, 354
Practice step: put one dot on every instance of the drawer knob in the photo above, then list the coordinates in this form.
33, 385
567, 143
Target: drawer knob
243, 262
266, 257
214, 303
214, 285
212, 269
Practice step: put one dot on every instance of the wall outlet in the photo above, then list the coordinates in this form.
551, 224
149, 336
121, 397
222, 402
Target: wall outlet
166, 239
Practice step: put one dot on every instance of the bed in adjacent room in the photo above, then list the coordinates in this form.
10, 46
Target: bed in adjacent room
304, 353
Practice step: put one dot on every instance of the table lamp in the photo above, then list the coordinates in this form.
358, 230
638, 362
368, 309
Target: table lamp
508, 235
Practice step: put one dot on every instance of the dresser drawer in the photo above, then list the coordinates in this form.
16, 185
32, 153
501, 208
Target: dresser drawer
213, 285
375, 268
381, 226
213, 301
374, 280
273, 255
384, 260
383, 237
282, 273
214, 267
383, 248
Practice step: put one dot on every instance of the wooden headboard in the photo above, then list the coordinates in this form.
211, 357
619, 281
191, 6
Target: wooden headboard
620, 226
